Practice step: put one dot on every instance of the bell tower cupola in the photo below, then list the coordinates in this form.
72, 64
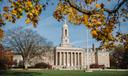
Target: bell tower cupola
65, 35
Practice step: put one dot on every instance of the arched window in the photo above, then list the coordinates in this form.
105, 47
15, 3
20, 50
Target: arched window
65, 40
65, 32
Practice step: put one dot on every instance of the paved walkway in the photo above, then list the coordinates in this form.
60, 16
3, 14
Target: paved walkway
90, 69
110, 69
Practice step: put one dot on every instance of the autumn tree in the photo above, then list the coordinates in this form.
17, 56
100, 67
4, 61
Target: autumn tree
94, 14
6, 58
118, 57
123, 39
27, 43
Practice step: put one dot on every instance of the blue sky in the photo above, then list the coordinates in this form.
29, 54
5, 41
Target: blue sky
50, 28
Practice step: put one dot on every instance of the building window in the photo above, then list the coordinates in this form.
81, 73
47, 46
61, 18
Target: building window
65, 32
65, 40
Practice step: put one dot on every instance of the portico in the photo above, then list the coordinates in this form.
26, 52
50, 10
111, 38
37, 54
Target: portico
69, 58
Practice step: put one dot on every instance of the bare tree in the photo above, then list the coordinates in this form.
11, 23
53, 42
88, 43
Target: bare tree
26, 42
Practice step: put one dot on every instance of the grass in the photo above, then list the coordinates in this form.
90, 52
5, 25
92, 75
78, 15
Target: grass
64, 73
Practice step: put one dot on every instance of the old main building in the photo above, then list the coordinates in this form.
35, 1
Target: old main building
69, 57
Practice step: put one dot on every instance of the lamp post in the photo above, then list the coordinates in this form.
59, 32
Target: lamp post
87, 54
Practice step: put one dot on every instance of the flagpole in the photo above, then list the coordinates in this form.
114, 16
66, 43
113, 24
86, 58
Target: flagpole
87, 60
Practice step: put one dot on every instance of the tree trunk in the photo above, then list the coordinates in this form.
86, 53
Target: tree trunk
25, 65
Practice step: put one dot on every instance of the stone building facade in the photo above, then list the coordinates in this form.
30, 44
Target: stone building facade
68, 57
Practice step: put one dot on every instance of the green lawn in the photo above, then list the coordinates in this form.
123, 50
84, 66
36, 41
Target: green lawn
63, 73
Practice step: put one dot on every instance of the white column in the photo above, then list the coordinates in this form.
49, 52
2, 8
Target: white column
64, 58
75, 57
78, 59
56, 58
60, 58
67, 59
71, 58
81, 59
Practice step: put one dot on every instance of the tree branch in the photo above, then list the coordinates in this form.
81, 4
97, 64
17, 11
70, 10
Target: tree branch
74, 5
118, 7
89, 12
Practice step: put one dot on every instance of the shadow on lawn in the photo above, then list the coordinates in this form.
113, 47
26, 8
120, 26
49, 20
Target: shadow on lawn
20, 73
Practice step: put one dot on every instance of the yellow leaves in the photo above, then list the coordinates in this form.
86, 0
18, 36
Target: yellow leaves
31, 8
89, 1
5, 15
85, 19
1, 33
74, 19
9, 17
98, 23
38, 7
14, 12
97, 20
20, 10
70, 17
57, 15
89, 25
60, 7
30, 15
94, 21
1, 21
34, 21
94, 33
10, 0
98, 6
72, 10
20, 16
73, 16
110, 36
29, 4
13, 4
6, 9
108, 30
27, 21
36, 12
64, 9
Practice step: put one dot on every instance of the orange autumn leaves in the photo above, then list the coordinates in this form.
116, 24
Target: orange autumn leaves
15, 11
1, 30
1, 33
75, 17
71, 13
89, 1
7, 56
96, 22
